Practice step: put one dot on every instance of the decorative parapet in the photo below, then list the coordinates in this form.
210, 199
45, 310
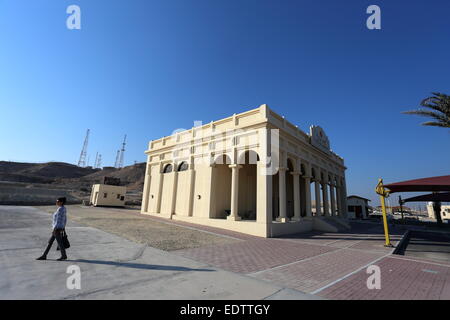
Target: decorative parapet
263, 114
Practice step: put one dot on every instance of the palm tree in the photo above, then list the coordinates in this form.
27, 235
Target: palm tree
439, 104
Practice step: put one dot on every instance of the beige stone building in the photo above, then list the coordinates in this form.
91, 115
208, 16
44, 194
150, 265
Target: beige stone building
108, 195
253, 172
445, 211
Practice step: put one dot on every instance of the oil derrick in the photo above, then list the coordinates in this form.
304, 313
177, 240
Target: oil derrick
99, 161
116, 164
122, 152
82, 159
96, 159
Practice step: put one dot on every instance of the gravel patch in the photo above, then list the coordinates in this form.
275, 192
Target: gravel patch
140, 229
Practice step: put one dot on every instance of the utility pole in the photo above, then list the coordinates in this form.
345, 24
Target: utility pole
82, 159
400, 202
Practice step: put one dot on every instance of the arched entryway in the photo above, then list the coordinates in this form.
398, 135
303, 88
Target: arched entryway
247, 185
221, 188
275, 196
317, 205
289, 189
303, 187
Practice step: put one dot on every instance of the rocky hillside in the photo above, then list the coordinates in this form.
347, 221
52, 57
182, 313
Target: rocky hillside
130, 176
42, 183
49, 172
60, 173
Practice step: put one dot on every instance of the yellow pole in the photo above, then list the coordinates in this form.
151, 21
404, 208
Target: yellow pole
386, 230
383, 194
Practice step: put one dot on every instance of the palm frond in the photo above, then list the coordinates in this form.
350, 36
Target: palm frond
440, 104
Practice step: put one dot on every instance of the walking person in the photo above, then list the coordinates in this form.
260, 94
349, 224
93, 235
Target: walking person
58, 224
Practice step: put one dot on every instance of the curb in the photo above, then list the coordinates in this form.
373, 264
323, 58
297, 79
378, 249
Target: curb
399, 249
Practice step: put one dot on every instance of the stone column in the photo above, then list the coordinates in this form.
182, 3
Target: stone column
326, 207
282, 194
191, 179
338, 198
160, 185
308, 196
317, 189
146, 191
344, 200
234, 192
332, 199
174, 190
296, 179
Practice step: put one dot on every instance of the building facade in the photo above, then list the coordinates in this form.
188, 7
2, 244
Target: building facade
252, 172
445, 211
108, 195
358, 207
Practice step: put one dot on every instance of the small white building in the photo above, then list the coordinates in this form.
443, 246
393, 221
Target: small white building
108, 195
358, 207
445, 211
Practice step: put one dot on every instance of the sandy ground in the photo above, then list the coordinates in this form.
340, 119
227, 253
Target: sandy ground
140, 229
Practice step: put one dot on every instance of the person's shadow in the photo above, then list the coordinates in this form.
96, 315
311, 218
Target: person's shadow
140, 265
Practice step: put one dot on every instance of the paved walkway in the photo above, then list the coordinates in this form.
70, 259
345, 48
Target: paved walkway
327, 265
332, 265
111, 267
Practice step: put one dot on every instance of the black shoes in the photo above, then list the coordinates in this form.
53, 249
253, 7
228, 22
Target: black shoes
45, 258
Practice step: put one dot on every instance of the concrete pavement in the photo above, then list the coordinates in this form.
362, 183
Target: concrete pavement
111, 267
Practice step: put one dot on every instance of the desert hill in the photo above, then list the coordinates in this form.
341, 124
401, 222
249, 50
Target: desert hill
41, 172
130, 176
41, 183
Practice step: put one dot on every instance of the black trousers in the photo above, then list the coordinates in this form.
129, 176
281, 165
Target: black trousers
57, 234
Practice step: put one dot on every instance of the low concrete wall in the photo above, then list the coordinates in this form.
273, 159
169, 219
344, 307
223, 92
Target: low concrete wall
342, 221
322, 225
246, 226
285, 228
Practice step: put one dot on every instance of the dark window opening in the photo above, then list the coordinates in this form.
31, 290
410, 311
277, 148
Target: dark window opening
183, 166
168, 168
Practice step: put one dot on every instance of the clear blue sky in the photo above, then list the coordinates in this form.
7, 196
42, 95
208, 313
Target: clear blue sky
147, 67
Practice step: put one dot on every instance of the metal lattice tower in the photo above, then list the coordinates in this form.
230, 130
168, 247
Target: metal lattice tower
82, 159
99, 161
116, 164
122, 152
96, 159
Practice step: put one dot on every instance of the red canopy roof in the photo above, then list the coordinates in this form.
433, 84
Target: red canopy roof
435, 184
442, 197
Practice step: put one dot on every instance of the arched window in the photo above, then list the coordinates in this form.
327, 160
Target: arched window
183, 166
313, 172
168, 168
